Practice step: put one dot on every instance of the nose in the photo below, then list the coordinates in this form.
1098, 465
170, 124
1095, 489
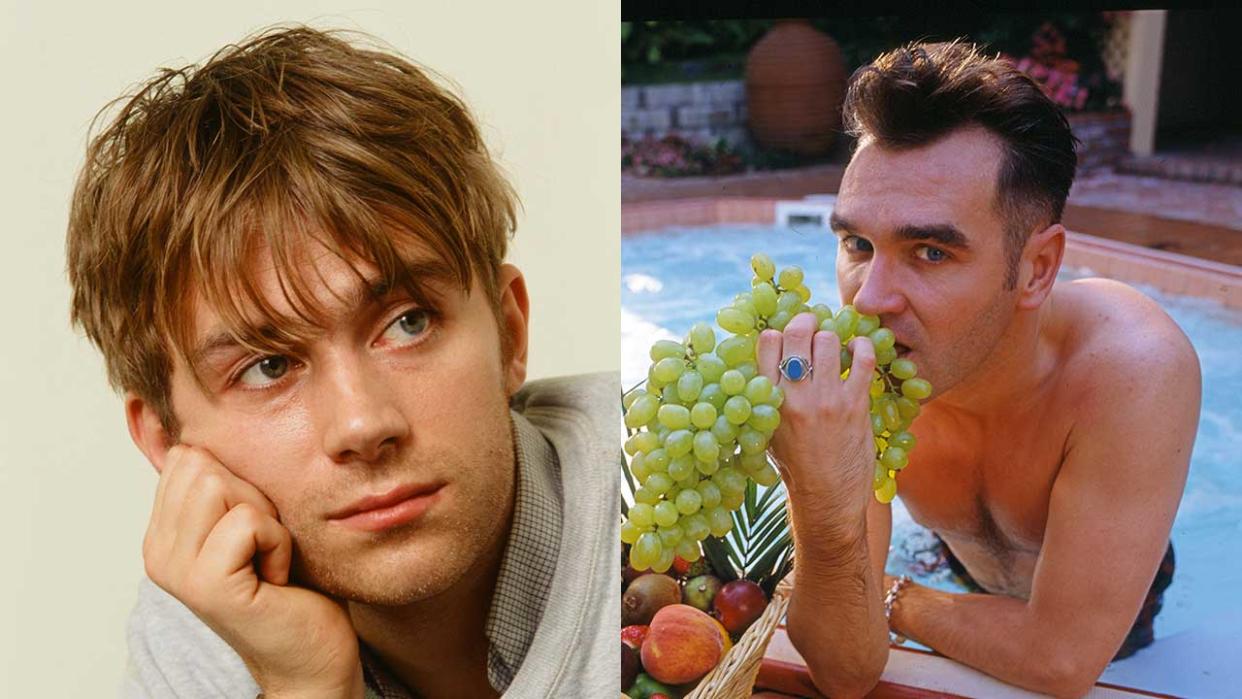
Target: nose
362, 420
880, 293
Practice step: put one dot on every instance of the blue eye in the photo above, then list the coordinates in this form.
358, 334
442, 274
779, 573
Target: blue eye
265, 371
932, 254
410, 325
853, 243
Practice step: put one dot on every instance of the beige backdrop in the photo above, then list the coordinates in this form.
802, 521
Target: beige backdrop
542, 78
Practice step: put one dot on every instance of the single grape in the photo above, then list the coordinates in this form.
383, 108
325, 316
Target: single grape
885, 355
764, 418
668, 395
846, 322
688, 549
710, 367
752, 441
735, 350
681, 468
732, 501
733, 382
790, 277
629, 532
642, 515
641, 443
867, 325
763, 266
903, 368
689, 501
696, 527
778, 397
894, 458
628, 399
909, 409
737, 409
659, 483
724, 431
665, 513
735, 320
702, 338
674, 417
779, 320
664, 562
641, 411
888, 411
822, 312
679, 442
638, 467
706, 448
713, 395
881, 338
689, 386
766, 476
905, 440
803, 292
646, 551
670, 535
916, 389
710, 494
788, 301
759, 390
886, 491
764, 297
667, 349
720, 520
702, 416
730, 480
657, 459
668, 369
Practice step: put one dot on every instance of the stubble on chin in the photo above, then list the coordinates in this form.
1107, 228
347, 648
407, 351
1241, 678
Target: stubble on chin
420, 561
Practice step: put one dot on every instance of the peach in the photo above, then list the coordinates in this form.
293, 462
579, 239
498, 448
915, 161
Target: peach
682, 645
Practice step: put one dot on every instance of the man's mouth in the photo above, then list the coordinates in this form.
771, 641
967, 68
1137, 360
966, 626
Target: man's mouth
902, 350
399, 505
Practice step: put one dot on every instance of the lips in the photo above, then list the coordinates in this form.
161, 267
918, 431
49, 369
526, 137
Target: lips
397, 506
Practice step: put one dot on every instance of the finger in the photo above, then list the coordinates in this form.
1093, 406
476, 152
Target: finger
797, 339
195, 463
862, 367
769, 354
826, 356
243, 533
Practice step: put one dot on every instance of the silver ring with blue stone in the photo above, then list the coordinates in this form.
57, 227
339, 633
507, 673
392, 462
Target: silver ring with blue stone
795, 368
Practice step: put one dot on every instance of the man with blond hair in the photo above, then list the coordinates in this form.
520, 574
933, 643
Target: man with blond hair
1054, 450
292, 260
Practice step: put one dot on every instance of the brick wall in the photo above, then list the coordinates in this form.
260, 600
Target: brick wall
700, 112
705, 112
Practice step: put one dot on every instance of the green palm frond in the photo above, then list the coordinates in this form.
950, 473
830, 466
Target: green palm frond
760, 547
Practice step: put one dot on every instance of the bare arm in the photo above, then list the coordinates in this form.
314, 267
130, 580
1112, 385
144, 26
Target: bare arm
825, 452
1112, 507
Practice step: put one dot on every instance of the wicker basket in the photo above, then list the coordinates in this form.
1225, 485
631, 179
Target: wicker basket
734, 677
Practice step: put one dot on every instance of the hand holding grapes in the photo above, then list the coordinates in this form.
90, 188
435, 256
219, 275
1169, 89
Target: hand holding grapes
824, 447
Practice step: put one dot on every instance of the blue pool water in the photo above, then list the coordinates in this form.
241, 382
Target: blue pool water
676, 277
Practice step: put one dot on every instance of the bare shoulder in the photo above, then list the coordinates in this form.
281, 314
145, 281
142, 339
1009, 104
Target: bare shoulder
1119, 344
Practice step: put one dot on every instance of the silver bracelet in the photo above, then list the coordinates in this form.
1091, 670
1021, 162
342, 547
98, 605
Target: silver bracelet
890, 600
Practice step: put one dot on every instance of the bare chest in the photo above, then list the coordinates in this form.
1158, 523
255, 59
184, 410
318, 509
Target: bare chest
986, 492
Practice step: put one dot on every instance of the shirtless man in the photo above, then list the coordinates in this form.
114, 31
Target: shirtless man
1053, 453
292, 258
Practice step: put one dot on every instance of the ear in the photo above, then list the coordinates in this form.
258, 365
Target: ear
146, 430
515, 324
1041, 260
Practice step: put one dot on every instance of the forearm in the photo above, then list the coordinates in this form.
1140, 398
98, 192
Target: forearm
998, 635
836, 617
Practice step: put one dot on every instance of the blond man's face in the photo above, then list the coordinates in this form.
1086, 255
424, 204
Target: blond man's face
390, 395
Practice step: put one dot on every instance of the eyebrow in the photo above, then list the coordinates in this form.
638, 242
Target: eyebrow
358, 297
945, 234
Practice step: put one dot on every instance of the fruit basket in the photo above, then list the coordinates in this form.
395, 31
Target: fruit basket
736, 673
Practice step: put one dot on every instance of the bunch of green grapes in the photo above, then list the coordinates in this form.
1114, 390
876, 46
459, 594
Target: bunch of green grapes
703, 422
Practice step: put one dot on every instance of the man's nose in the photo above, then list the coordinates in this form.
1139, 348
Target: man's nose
362, 420
880, 293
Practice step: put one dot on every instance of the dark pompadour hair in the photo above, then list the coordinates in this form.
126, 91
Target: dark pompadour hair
916, 94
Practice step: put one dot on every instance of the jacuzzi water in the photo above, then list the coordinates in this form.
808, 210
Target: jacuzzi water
674, 278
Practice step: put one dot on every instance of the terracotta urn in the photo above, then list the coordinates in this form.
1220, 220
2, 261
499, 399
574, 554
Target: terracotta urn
795, 83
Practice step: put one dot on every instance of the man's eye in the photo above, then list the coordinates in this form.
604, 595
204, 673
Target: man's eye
412, 324
931, 254
265, 371
853, 243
